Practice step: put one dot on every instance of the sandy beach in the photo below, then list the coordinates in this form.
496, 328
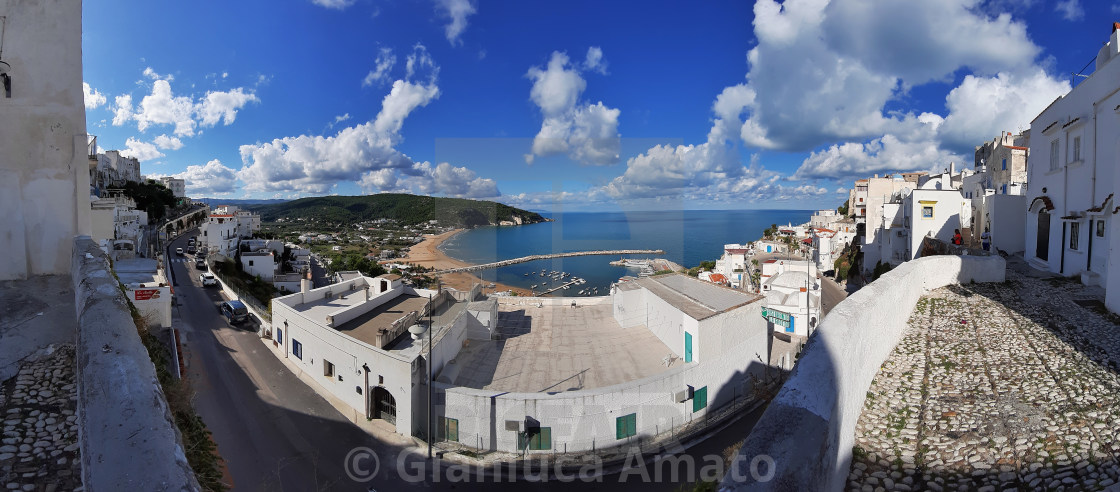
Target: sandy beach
428, 254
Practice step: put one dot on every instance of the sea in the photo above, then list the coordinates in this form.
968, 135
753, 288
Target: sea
687, 237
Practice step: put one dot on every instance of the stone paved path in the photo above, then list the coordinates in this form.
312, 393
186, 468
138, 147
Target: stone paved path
39, 450
996, 387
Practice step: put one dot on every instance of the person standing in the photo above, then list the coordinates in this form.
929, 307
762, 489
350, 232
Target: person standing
957, 239
986, 240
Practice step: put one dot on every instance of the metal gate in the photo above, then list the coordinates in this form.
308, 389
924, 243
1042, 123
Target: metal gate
384, 405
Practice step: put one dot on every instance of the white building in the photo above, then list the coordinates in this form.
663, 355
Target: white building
793, 302
226, 226
933, 212
146, 287
112, 170
44, 178
1071, 200
732, 266
351, 339
177, 186
261, 263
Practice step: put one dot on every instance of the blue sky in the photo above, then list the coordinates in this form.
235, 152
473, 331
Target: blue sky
576, 105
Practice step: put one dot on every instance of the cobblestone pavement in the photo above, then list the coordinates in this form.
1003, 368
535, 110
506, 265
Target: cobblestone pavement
1008, 386
40, 437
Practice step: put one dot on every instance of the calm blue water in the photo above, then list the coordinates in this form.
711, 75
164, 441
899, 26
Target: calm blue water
688, 237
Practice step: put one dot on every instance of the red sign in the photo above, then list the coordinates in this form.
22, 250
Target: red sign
146, 294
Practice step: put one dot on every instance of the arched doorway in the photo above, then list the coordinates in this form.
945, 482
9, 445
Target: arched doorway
1042, 244
384, 405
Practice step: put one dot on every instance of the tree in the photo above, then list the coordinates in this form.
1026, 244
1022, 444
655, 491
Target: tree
707, 265
843, 209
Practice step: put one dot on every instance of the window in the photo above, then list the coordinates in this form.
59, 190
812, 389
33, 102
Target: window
538, 439
447, 429
328, 368
1074, 231
280, 335
297, 349
626, 426
927, 211
700, 399
1004, 163
1054, 155
250, 262
1100, 228
1076, 149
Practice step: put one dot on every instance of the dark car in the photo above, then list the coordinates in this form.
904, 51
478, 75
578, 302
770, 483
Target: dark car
200, 263
235, 311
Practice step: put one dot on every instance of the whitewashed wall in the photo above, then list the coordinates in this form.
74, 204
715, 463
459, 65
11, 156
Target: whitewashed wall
44, 171
585, 420
809, 428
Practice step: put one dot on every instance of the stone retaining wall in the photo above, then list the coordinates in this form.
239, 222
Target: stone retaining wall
127, 435
804, 440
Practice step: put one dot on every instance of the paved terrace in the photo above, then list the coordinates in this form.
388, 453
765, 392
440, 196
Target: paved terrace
1011, 386
38, 396
555, 349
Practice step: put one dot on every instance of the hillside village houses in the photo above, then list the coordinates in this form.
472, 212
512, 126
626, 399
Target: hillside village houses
793, 295
110, 169
997, 192
177, 186
1071, 197
732, 266
226, 226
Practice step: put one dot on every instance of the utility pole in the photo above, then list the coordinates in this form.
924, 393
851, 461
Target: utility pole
430, 328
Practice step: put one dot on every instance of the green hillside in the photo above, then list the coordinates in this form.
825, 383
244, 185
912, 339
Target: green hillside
406, 209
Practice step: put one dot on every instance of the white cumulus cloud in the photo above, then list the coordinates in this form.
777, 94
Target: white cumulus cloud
93, 99
168, 143
223, 106
140, 150
365, 153
213, 178
586, 132
382, 66
456, 12
122, 109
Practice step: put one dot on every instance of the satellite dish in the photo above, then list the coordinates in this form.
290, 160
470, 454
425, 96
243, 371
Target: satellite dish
416, 331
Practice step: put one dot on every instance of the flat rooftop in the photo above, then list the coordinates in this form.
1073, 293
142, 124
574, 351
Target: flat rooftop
556, 349
694, 297
364, 327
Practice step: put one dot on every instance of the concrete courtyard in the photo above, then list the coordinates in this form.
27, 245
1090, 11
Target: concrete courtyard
1009, 386
556, 349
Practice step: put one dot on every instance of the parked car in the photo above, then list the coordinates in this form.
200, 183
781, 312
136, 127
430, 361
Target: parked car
179, 251
191, 250
208, 279
200, 263
235, 311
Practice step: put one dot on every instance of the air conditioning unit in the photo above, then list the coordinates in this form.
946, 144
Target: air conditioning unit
682, 395
515, 425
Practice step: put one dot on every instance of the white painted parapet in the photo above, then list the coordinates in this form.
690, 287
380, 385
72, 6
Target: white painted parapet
804, 440
125, 429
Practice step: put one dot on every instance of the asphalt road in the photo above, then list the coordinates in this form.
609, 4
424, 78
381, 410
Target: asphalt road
275, 433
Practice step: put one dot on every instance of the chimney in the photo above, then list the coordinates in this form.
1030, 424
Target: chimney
367, 292
952, 168
304, 286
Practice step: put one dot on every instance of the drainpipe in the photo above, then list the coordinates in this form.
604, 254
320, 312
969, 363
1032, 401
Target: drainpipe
365, 389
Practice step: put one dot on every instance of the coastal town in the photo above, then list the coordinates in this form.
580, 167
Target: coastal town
952, 328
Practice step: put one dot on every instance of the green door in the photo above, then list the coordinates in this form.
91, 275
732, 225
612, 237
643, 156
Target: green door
687, 347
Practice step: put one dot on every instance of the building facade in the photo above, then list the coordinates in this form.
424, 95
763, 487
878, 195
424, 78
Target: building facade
1071, 204
177, 186
44, 178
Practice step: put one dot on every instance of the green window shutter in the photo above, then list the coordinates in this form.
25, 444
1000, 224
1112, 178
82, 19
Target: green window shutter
699, 399
545, 438
626, 426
